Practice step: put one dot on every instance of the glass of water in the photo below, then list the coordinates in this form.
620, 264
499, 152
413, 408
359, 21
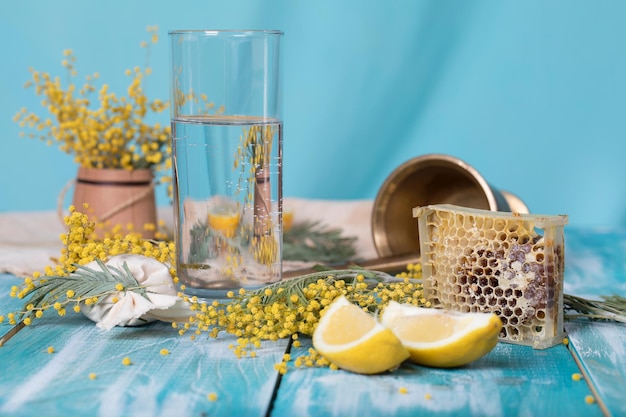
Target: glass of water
226, 114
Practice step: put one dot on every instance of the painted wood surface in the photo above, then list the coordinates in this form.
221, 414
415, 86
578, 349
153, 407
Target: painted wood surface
601, 349
595, 262
511, 381
34, 382
596, 266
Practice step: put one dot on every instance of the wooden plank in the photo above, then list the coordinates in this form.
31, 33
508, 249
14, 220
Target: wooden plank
511, 380
34, 382
595, 266
601, 348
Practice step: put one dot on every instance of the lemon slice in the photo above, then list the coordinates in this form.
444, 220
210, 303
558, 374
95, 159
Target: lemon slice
224, 220
355, 341
287, 219
441, 338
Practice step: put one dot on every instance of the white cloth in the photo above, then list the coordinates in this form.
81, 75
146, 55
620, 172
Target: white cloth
29, 241
160, 301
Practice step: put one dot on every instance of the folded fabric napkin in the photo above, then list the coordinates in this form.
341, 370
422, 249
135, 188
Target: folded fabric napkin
159, 302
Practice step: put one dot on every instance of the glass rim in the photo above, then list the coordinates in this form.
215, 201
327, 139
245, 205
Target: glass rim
217, 32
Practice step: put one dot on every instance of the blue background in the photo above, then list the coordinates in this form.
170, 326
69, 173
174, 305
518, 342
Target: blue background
530, 93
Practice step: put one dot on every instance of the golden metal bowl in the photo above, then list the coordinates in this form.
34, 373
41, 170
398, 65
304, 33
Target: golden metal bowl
425, 180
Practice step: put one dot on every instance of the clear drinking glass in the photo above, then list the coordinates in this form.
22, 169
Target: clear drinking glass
226, 113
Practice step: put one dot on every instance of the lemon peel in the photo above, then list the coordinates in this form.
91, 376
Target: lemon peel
355, 341
442, 338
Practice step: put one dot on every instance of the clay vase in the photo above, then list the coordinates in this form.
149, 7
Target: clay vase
117, 197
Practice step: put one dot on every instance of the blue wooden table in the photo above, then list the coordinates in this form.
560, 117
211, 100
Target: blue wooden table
85, 375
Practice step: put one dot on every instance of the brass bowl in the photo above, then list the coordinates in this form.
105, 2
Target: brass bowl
425, 180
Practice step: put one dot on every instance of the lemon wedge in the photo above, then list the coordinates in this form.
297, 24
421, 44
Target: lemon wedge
355, 341
224, 220
441, 338
287, 219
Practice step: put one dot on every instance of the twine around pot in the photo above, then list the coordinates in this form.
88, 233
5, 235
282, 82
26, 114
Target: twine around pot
100, 188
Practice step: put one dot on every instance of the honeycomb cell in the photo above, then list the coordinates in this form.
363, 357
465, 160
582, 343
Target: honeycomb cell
499, 225
479, 222
489, 234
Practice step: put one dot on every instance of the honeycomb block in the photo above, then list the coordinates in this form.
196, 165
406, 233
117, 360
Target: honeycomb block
506, 263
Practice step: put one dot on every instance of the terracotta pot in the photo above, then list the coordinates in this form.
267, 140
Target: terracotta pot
117, 197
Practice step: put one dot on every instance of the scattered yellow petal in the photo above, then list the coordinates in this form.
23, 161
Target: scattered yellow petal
164, 352
577, 377
212, 396
126, 361
589, 399
92, 376
428, 396
50, 349
403, 390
